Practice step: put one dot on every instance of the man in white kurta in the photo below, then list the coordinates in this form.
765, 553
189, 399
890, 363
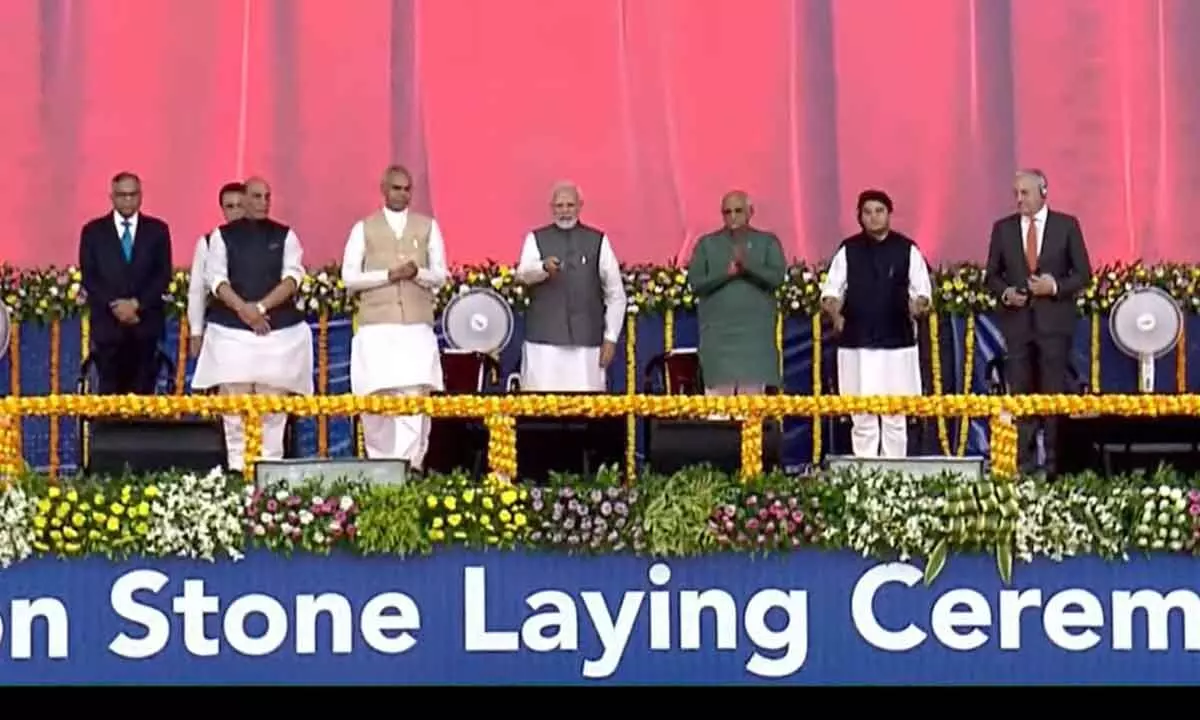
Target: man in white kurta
576, 301
395, 261
230, 198
256, 341
877, 285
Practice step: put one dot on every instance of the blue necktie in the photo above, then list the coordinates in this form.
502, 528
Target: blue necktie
127, 241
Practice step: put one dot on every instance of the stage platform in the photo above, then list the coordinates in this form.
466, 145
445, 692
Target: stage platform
1117, 374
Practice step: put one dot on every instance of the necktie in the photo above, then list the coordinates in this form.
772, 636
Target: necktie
1031, 249
127, 241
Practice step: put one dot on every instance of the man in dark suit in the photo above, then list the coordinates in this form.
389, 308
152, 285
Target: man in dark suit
125, 260
1037, 264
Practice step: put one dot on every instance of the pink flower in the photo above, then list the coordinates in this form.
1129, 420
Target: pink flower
770, 528
351, 531
752, 524
272, 506
340, 517
293, 501
1194, 509
752, 500
1194, 495
797, 517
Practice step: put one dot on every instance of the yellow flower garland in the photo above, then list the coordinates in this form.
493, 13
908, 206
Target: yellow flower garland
85, 347
630, 389
935, 370
964, 427
181, 349
1181, 383
55, 366
818, 354
323, 381
1094, 353
14, 380
501, 409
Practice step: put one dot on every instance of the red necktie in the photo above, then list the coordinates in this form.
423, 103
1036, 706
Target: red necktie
1031, 249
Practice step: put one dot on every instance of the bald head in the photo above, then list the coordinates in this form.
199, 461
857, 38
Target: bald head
565, 204
396, 187
736, 209
1029, 188
258, 198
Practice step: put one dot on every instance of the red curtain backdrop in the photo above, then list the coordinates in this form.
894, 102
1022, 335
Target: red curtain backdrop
655, 107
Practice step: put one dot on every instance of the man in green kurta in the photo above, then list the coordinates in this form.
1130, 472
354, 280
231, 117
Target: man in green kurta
734, 273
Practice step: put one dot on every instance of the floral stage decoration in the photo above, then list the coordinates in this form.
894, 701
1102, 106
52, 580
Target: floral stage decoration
40, 295
698, 511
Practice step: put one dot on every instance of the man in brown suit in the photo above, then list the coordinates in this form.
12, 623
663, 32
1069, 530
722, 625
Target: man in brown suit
395, 261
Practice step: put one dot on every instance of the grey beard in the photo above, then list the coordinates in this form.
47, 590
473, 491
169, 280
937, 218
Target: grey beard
566, 224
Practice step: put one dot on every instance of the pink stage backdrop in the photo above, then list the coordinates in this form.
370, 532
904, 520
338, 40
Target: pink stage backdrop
655, 107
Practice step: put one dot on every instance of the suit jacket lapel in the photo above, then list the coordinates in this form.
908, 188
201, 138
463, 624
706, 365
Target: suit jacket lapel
1049, 235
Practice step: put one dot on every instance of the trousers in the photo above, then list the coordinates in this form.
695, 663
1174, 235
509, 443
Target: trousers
273, 427
403, 437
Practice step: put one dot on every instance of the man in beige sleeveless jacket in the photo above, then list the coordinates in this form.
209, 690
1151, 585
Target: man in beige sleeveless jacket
395, 262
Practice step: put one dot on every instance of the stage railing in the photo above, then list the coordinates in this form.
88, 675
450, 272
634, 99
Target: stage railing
500, 412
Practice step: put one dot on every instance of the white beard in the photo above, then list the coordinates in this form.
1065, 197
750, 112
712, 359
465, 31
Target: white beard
566, 224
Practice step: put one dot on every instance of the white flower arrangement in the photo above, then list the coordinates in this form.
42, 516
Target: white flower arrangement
1059, 521
1164, 520
197, 517
883, 513
16, 525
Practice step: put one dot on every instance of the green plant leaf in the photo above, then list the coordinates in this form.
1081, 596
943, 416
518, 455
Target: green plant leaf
1004, 559
937, 561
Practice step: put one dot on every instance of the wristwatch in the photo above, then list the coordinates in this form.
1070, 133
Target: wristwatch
262, 309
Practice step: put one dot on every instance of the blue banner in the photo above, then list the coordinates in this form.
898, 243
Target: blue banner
457, 617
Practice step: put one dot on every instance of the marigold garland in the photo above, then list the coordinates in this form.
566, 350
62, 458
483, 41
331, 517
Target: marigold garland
935, 370
1181, 381
502, 447
14, 381
252, 430
964, 427
1094, 354
181, 354
818, 356
630, 389
85, 347
55, 366
501, 409
323, 381
752, 445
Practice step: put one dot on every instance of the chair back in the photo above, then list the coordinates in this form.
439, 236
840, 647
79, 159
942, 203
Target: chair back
465, 372
675, 372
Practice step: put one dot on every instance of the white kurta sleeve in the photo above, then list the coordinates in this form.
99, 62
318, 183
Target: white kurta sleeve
919, 284
353, 276
436, 275
293, 259
216, 265
614, 291
529, 267
197, 296
835, 278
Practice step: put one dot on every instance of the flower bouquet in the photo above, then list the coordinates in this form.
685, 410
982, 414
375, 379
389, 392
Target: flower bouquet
770, 521
598, 520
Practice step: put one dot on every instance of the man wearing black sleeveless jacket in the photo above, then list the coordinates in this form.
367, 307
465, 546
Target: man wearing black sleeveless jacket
256, 340
878, 284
